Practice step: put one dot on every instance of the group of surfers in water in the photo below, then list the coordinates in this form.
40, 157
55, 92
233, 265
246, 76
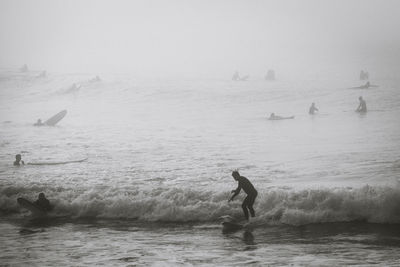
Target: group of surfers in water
362, 108
243, 182
42, 202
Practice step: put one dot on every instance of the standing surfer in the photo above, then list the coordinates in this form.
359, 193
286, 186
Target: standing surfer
248, 188
312, 109
363, 105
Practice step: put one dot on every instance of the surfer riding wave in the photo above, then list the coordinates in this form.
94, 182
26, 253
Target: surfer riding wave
248, 188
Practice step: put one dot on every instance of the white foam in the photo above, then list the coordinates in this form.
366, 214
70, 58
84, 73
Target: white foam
370, 204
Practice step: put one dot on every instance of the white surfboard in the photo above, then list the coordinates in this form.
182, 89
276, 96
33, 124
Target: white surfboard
56, 118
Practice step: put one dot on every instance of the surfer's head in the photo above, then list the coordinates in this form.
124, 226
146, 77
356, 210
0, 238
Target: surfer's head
235, 175
41, 195
360, 98
18, 157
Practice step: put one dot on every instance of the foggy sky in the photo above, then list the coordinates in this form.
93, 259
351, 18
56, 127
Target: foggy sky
179, 36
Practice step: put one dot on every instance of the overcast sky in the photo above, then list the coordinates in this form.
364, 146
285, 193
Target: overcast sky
218, 36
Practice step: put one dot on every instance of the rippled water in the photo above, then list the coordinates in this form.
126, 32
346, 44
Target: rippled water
157, 175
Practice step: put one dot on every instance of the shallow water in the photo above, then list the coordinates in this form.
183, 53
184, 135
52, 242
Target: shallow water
123, 243
157, 175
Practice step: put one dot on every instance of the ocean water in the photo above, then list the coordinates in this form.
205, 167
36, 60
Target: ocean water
156, 171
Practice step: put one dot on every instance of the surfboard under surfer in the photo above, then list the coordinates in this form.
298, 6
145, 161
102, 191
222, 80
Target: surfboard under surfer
248, 188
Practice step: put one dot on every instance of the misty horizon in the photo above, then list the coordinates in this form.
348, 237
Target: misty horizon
200, 37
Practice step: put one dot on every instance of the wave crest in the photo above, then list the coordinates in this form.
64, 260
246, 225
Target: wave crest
273, 206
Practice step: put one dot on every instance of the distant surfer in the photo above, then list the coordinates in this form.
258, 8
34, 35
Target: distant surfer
95, 79
248, 188
276, 117
38, 123
362, 107
43, 202
366, 86
312, 109
270, 75
18, 160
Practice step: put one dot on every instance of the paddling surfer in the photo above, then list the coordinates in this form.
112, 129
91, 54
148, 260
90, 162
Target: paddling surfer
248, 188
366, 86
38, 123
276, 117
43, 202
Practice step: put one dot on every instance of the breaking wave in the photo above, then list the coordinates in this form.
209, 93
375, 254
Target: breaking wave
275, 206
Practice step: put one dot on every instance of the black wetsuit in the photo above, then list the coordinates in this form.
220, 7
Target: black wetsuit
248, 188
312, 110
363, 106
44, 204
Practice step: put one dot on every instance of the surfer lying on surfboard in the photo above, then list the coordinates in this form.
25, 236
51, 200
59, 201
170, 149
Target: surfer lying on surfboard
248, 188
276, 117
365, 86
39, 208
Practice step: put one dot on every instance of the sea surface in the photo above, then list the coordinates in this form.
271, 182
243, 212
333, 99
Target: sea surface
154, 177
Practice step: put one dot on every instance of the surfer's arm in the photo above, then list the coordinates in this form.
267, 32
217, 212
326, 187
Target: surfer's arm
236, 192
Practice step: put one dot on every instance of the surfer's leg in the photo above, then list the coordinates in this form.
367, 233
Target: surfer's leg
244, 207
250, 205
252, 212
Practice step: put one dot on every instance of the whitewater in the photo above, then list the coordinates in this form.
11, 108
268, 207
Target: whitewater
139, 170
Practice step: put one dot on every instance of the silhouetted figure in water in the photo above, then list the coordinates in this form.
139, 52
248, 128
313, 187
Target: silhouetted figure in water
38, 123
312, 109
18, 161
248, 188
362, 107
43, 202
366, 86
270, 75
